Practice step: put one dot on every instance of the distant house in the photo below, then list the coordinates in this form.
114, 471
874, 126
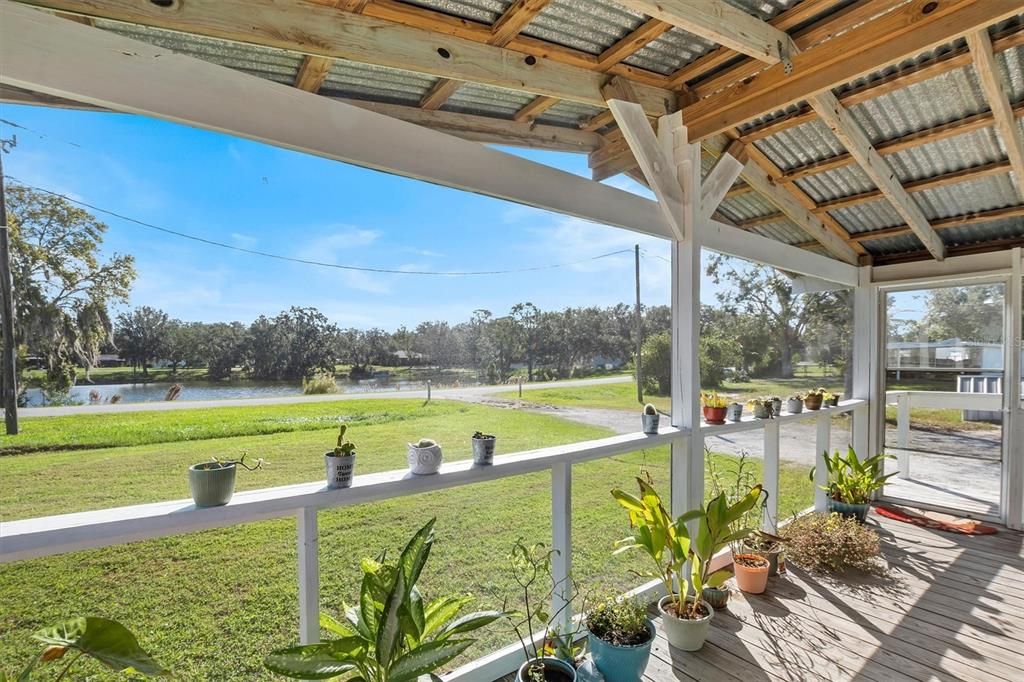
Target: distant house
603, 362
110, 360
946, 354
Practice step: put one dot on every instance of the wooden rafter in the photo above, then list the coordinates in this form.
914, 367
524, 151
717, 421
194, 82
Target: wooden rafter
945, 223
904, 32
994, 85
312, 73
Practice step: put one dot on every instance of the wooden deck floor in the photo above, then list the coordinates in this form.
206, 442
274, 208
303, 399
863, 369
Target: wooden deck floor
950, 608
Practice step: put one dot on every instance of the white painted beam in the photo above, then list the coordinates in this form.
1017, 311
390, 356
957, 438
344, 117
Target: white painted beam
50, 55
728, 167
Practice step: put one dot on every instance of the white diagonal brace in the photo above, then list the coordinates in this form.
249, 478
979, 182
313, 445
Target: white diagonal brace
994, 86
856, 141
720, 22
720, 178
657, 168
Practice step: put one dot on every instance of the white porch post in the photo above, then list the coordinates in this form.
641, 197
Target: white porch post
868, 420
309, 576
561, 542
687, 463
1013, 423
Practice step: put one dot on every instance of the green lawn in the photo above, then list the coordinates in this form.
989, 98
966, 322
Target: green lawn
211, 604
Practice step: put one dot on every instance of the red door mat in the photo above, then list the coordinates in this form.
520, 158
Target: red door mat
952, 525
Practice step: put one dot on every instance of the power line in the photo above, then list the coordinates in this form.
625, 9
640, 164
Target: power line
304, 261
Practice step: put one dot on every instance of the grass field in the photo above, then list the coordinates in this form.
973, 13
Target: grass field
210, 605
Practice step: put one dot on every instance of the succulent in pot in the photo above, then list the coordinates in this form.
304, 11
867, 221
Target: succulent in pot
795, 404
424, 457
714, 407
212, 483
483, 448
760, 408
851, 481
341, 461
751, 572
667, 541
734, 412
650, 419
619, 638
812, 400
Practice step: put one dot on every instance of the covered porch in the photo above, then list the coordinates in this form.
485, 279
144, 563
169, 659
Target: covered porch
826, 139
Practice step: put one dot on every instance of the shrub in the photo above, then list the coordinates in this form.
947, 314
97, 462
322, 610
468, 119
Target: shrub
622, 623
319, 384
656, 360
831, 542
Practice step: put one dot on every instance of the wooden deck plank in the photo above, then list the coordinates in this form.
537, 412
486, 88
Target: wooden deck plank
950, 607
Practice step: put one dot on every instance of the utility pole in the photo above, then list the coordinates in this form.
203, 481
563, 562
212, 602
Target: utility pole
639, 328
8, 368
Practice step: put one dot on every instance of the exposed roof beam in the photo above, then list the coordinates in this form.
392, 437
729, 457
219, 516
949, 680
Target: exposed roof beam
46, 54
439, 93
994, 86
856, 141
322, 31
312, 73
720, 22
720, 178
650, 30
904, 32
534, 108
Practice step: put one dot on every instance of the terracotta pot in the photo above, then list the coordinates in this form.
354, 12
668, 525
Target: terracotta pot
714, 415
752, 579
685, 633
812, 402
772, 557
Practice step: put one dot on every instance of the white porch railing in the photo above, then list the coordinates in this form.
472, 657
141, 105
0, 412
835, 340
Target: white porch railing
905, 401
47, 536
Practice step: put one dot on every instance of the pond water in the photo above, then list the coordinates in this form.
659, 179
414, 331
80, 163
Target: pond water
207, 390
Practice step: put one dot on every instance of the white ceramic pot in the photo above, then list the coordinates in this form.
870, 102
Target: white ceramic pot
340, 469
794, 406
424, 461
683, 633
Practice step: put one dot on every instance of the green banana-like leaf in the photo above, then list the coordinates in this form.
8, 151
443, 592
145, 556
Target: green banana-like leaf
427, 658
329, 623
416, 611
469, 622
109, 642
440, 611
415, 554
316, 661
370, 604
389, 631
355, 619
718, 578
629, 502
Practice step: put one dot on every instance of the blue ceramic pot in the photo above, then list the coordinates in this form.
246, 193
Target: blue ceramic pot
621, 663
856, 511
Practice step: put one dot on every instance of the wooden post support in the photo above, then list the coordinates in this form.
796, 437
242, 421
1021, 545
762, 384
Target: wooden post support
822, 444
561, 542
770, 522
309, 575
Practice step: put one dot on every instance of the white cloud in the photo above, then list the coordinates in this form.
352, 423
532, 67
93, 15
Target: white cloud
245, 241
340, 240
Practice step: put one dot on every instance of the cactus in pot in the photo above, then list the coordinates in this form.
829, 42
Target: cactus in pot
650, 418
483, 448
341, 461
424, 457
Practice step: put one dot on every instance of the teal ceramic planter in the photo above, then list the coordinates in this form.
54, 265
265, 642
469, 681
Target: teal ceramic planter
554, 670
717, 597
856, 511
211, 484
621, 663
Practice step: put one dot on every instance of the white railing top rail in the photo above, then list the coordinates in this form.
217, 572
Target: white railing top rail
948, 399
49, 535
749, 422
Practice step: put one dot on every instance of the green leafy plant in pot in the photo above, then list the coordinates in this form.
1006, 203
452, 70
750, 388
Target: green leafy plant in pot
760, 407
212, 483
393, 635
619, 638
549, 644
685, 616
341, 461
106, 641
735, 480
852, 481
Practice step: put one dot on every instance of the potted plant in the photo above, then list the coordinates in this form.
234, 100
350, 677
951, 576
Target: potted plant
341, 461
734, 412
832, 543
424, 457
619, 638
553, 656
776, 404
714, 407
685, 617
813, 398
760, 408
391, 634
852, 482
483, 448
740, 479
649, 419
751, 572
213, 483
795, 404
830, 399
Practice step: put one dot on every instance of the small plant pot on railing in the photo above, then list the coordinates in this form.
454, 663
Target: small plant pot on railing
714, 415
813, 401
717, 597
483, 448
687, 634
833, 401
551, 669
340, 469
649, 419
854, 511
776, 405
794, 405
751, 571
212, 483
734, 412
424, 457
620, 663
761, 410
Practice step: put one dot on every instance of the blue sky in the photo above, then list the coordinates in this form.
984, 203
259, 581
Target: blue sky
261, 197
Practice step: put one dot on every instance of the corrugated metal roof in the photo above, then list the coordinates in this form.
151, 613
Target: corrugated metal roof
483, 11
569, 113
783, 231
364, 81
472, 98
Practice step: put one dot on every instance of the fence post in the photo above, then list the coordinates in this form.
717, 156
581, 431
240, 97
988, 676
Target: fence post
822, 443
561, 541
903, 433
309, 576
770, 522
